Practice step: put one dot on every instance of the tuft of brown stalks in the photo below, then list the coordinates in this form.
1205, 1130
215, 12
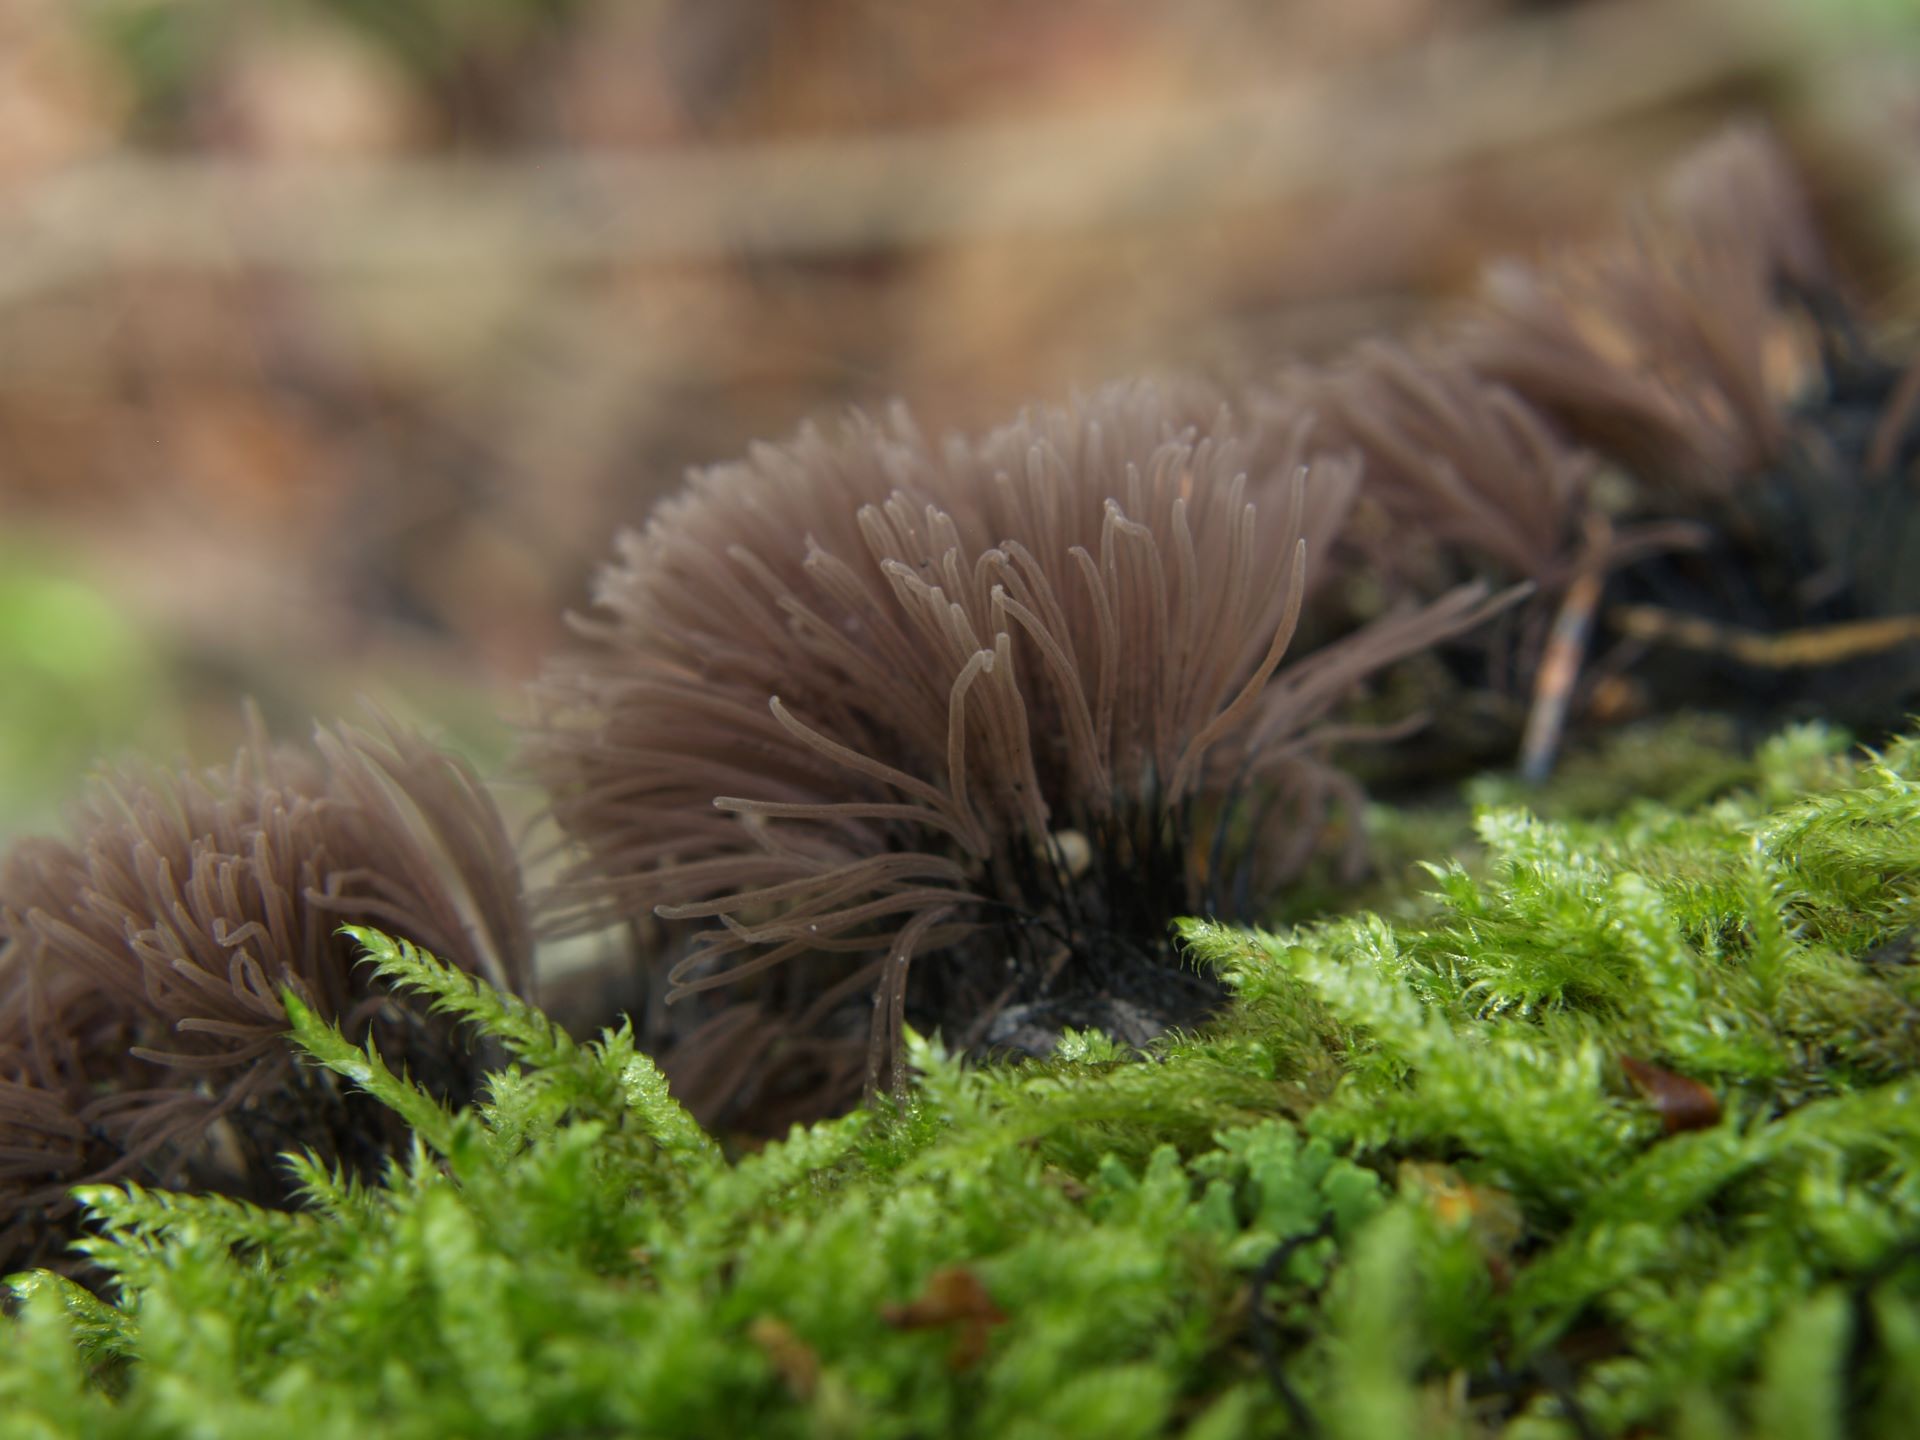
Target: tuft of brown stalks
142, 1032
887, 732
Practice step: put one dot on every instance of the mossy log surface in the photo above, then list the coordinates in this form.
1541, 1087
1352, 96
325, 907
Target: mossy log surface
1605, 1123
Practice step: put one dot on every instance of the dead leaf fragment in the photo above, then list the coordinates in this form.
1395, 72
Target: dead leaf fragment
1682, 1103
795, 1361
954, 1296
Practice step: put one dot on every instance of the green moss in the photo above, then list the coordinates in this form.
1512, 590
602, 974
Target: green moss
1405, 1185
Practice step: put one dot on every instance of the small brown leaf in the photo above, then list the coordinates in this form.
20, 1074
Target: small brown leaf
792, 1358
1682, 1103
953, 1296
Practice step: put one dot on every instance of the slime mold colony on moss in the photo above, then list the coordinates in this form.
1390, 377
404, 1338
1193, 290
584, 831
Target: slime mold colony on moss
859, 701
868, 731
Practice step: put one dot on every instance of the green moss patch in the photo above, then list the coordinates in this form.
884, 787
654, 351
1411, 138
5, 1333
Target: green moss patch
1615, 1132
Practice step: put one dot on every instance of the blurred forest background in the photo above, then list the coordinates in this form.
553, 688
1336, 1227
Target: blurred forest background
338, 336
